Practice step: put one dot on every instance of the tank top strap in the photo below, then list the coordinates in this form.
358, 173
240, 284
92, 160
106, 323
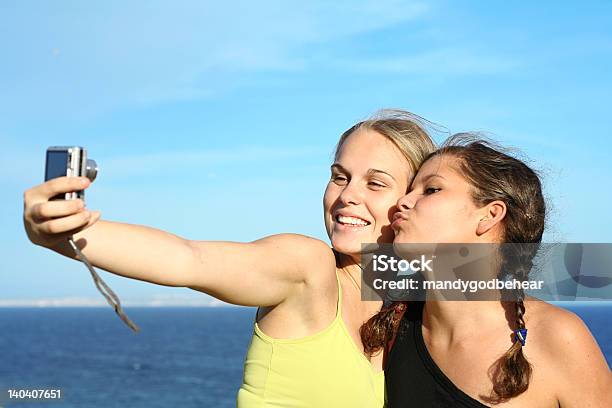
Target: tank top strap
339, 303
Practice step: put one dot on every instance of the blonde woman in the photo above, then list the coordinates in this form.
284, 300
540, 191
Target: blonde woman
306, 350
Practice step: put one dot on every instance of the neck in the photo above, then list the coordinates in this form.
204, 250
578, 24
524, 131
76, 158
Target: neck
349, 266
347, 260
453, 321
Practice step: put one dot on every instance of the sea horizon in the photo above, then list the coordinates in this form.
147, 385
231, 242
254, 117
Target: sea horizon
208, 302
183, 355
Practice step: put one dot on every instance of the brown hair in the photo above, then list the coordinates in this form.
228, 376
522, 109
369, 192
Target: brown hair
409, 133
493, 175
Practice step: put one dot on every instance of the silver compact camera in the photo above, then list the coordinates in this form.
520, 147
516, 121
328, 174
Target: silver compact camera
69, 161
72, 161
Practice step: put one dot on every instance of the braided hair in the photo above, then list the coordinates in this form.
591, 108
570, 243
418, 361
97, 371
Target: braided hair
494, 175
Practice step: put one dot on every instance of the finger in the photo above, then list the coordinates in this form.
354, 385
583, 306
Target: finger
65, 224
54, 209
56, 186
95, 217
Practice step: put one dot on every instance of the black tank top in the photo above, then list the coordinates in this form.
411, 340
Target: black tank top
412, 378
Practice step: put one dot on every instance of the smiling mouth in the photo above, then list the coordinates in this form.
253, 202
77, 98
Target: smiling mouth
351, 221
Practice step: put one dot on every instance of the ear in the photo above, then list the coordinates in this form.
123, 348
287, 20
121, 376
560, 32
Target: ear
492, 215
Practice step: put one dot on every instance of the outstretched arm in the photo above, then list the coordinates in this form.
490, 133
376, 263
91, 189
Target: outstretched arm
260, 273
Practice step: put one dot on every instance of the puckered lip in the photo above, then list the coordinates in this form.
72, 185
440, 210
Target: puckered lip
343, 213
398, 217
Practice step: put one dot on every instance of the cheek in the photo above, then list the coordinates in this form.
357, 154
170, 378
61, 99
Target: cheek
447, 222
328, 198
383, 207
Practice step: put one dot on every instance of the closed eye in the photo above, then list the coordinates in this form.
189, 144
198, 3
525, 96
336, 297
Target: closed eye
339, 179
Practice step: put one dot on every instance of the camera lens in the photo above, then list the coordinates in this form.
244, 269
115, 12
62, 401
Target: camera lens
91, 169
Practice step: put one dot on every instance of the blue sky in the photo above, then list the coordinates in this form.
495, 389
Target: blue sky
217, 120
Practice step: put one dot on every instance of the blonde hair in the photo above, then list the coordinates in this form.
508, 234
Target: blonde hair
410, 133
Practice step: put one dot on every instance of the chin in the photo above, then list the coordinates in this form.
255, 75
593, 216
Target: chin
350, 245
347, 247
401, 238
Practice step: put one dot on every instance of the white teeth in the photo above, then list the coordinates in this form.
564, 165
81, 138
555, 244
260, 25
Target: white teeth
352, 221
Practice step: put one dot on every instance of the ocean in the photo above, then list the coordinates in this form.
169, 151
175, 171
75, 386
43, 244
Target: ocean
187, 357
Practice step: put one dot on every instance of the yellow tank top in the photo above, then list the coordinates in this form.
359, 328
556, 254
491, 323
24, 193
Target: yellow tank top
324, 370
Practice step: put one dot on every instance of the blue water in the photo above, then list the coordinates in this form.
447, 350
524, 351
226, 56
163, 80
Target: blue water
184, 357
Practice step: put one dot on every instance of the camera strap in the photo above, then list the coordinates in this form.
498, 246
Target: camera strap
103, 288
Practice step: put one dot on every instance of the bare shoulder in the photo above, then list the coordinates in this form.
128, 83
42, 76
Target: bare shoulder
299, 243
560, 330
548, 315
570, 352
564, 328
300, 246
312, 256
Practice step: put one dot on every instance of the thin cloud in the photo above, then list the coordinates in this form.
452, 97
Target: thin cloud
445, 62
131, 165
21, 164
87, 60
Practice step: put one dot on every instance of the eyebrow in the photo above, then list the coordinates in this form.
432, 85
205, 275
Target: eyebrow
370, 171
428, 177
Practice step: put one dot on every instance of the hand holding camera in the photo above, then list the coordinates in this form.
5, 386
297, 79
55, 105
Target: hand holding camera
48, 222
55, 210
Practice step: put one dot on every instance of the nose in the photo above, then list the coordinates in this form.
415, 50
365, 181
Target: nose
350, 194
406, 202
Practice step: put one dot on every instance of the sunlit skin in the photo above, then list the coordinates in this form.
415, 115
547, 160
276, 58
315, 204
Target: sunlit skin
368, 176
439, 208
295, 281
292, 278
569, 369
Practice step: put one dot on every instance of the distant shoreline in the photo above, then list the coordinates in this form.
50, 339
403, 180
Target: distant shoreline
213, 304
101, 303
